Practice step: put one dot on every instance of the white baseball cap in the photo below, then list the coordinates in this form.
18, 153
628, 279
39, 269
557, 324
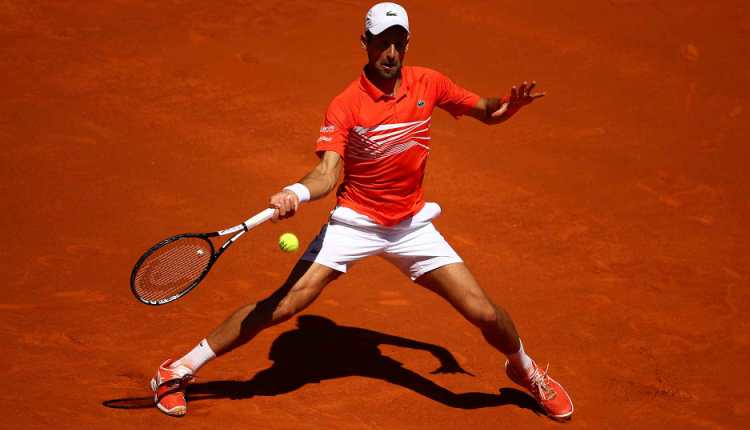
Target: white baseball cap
384, 15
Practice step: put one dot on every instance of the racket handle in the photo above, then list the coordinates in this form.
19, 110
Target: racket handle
259, 218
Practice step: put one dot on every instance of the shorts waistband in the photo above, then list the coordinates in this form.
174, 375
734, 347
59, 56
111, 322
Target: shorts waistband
345, 215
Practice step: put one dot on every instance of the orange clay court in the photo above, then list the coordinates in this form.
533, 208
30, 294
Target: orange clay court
610, 218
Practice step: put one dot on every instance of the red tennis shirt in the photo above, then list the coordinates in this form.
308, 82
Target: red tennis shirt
385, 140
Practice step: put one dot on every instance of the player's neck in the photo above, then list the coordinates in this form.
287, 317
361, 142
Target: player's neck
389, 87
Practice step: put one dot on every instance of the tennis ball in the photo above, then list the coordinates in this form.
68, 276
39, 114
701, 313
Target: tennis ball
288, 242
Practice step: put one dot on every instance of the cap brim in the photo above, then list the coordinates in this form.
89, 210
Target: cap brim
377, 29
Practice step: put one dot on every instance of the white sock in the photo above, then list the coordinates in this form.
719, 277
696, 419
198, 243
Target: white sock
519, 360
197, 357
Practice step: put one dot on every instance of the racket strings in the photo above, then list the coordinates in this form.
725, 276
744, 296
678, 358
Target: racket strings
172, 268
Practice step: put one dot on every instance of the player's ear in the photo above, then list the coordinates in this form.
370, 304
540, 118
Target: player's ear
363, 41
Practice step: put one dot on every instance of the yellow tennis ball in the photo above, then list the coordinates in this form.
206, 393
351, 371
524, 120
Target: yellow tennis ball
288, 242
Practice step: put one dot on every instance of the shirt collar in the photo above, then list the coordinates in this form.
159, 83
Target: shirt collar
376, 94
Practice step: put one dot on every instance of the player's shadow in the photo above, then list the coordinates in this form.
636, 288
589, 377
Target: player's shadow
319, 349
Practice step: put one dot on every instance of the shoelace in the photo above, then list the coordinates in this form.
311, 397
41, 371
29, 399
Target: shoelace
181, 374
178, 381
174, 385
538, 381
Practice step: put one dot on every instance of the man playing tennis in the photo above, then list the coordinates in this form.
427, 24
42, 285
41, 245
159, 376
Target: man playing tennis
379, 127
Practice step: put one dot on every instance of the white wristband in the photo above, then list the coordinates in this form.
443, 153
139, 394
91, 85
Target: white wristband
302, 192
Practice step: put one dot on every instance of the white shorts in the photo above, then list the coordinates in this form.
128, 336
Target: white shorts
414, 245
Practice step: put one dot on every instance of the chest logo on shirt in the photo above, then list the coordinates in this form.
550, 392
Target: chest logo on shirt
420, 103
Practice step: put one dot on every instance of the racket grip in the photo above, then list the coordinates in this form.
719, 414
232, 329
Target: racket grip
259, 218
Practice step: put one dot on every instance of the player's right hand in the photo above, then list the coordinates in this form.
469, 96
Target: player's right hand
286, 204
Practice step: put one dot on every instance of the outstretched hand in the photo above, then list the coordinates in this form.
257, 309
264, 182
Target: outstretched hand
520, 96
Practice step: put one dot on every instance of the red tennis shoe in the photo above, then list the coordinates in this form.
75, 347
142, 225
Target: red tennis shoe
169, 388
550, 395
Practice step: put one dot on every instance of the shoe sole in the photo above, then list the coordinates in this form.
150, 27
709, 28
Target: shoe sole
177, 411
562, 417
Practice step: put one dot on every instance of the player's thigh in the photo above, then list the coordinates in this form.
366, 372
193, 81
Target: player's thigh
419, 251
339, 246
456, 284
304, 284
314, 279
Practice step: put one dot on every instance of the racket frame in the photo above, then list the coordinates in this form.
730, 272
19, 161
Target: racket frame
237, 231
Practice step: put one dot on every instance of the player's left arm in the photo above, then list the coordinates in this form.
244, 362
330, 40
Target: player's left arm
493, 110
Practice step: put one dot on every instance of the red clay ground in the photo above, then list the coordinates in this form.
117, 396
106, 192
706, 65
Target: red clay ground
610, 218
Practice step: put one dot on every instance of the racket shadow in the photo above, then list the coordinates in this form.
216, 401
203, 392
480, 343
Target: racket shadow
319, 349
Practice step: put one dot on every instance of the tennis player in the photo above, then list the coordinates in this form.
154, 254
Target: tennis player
378, 128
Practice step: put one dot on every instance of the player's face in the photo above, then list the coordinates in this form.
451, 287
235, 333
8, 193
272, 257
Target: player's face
386, 51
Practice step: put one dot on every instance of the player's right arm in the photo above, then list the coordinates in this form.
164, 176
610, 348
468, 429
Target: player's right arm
320, 181
330, 147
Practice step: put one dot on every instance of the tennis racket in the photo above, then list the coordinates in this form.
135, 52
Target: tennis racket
176, 265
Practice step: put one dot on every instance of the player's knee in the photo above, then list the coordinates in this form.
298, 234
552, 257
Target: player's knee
299, 297
484, 315
283, 312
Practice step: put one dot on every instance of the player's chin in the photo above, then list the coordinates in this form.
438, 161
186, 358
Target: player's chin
387, 72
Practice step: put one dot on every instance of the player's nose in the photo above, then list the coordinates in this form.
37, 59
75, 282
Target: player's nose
391, 51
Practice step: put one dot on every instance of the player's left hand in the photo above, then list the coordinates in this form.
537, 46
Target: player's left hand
523, 95
520, 96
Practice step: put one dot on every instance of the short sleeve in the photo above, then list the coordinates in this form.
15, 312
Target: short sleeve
335, 130
451, 97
